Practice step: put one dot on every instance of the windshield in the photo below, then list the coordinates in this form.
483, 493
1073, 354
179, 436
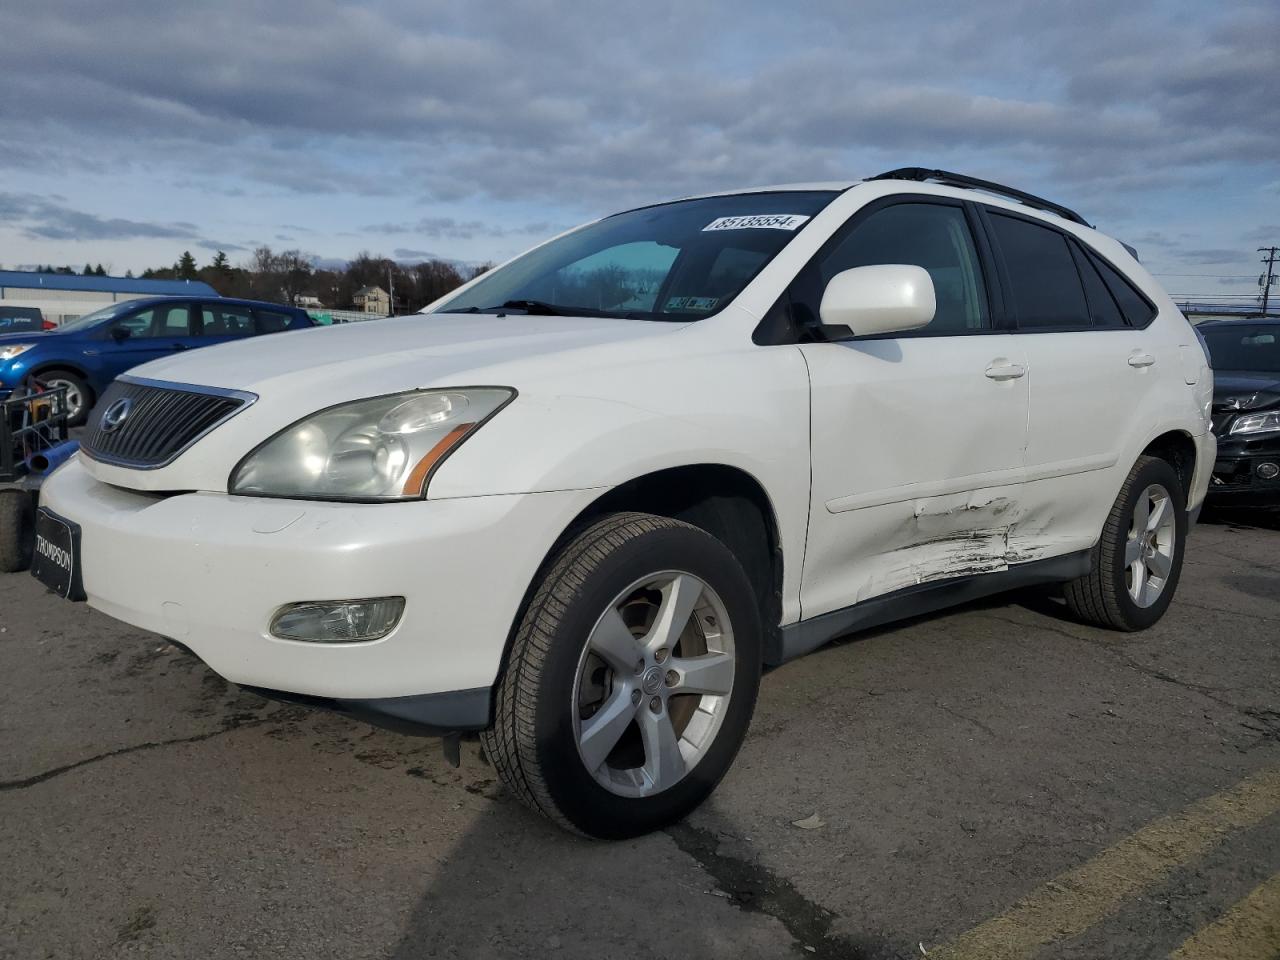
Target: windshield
1245, 346
676, 261
89, 319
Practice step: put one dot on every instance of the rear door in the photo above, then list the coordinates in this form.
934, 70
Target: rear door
1093, 377
223, 323
917, 438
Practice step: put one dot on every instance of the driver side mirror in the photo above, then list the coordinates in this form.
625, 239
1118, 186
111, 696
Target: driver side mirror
120, 333
886, 298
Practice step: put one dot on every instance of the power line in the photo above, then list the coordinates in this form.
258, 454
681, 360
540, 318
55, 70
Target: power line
1212, 276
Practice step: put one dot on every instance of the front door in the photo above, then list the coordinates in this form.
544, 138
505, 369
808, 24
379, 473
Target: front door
917, 439
148, 334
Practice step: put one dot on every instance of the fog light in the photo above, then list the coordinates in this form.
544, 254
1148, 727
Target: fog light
338, 621
1268, 471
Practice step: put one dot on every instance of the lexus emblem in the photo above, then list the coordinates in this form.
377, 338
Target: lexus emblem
115, 415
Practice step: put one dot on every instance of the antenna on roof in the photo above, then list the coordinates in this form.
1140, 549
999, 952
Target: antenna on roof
960, 180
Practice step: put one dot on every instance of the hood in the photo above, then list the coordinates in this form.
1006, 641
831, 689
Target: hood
1242, 390
297, 373
351, 361
23, 336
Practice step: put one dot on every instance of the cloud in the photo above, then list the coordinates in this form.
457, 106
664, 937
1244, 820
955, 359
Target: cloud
447, 228
1209, 256
223, 245
41, 218
441, 125
611, 107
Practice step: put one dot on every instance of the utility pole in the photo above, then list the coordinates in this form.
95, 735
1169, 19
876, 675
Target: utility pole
1269, 260
391, 291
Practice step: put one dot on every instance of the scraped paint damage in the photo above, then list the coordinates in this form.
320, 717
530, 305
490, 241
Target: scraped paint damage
959, 536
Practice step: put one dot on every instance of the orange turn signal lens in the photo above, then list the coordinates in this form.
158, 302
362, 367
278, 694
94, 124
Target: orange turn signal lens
416, 483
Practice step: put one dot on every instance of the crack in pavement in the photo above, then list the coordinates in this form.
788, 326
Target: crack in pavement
757, 889
122, 751
1224, 612
1208, 692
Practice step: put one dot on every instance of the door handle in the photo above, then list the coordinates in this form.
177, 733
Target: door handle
1003, 370
1141, 360
179, 346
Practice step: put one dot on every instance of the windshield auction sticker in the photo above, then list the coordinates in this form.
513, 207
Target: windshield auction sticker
766, 221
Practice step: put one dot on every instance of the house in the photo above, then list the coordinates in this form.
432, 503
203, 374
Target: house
373, 300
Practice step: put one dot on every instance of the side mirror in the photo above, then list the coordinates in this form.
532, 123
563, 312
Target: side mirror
120, 333
880, 299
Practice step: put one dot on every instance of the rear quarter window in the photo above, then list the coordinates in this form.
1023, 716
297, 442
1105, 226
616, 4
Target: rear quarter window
1138, 310
272, 321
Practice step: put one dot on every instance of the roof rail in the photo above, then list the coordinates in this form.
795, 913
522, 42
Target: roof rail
960, 180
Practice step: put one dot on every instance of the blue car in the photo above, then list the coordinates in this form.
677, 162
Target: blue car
88, 353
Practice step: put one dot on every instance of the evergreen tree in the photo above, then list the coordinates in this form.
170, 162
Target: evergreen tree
98, 271
87, 272
186, 266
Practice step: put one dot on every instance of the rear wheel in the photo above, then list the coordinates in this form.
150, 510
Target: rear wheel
17, 530
79, 394
1138, 558
632, 678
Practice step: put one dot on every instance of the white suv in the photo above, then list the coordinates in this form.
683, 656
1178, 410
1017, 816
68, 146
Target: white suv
584, 500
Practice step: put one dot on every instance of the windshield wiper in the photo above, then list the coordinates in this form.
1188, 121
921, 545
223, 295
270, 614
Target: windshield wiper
539, 307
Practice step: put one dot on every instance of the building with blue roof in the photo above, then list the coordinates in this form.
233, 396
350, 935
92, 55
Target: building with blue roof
62, 297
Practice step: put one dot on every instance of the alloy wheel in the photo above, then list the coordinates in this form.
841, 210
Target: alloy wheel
1149, 549
653, 684
75, 399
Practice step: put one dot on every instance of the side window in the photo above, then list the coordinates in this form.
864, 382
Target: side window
138, 324
1103, 309
929, 235
226, 321
1137, 310
1044, 285
162, 320
271, 321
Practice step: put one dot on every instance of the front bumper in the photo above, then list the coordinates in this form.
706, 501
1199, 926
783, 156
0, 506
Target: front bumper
1236, 475
209, 570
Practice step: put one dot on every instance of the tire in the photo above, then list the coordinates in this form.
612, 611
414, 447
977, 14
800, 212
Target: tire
1107, 595
77, 387
564, 678
17, 530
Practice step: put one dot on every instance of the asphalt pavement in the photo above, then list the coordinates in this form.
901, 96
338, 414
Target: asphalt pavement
994, 781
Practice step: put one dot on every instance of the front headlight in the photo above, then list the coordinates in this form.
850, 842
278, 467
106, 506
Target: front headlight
1257, 423
11, 350
380, 449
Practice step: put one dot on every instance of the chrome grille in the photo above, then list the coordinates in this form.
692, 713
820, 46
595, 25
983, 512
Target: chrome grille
160, 420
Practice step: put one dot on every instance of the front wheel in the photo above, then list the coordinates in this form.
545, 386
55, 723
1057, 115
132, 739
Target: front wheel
632, 678
79, 394
17, 530
1138, 558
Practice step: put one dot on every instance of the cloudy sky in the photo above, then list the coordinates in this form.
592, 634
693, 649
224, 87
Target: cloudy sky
132, 130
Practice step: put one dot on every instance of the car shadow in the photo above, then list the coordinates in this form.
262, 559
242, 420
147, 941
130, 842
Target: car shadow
516, 885
1247, 518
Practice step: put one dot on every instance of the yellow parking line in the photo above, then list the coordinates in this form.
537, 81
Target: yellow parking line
1074, 901
1248, 931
